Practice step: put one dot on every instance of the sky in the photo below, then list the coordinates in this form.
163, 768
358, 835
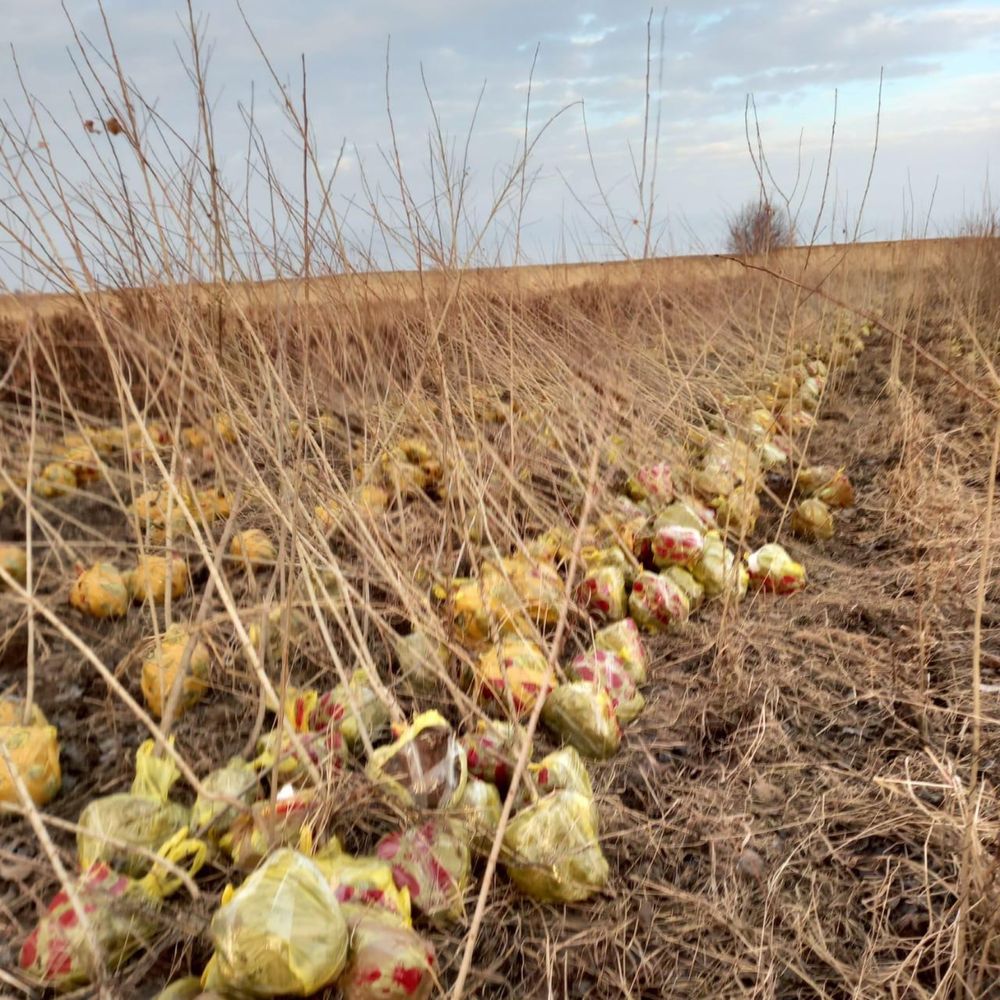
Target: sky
464, 67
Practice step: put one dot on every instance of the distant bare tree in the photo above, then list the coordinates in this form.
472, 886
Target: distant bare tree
758, 227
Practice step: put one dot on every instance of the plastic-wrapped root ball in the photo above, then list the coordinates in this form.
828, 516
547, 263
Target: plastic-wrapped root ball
676, 538
623, 639
162, 666
656, 602
562, 768
653, 483
280, 933
684, 579
389, 961
149, 579
101, 592
364, 886
771, 568
491, 750
14, 562
538, 587
514, 672
143, 817
602, 594
423, 661
607, 671
368, 713
812, 520
584, 716
738, 512
121, 912
433, 862
480, 808
252, 548
211, 816
256, 833
56, 480
34, 752
719, 571
826, 483
552, 849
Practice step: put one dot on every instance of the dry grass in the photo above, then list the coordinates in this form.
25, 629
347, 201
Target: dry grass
800, 810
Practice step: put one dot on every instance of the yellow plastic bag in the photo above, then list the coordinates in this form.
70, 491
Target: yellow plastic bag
255, 833
467, 610
12, 713
162, 666
479, 809
143, 817
389, 961
771, 568
653, 483
719, 571
492, 749
333, 710
188, 988
552, 546
214, 503
326, 749
537, 585
612, 554
553, 854
514, 674
425, 766
14, 561
423, 661
624, 641
267, 634
607, 671
684, 579
280, 933
34, 752
562, 768
148, 581
121, 912
730, 456
101, 592
738, 512
812, 520
602, 593
656, 602
826, 483
300, 703
252, 548
84, 462
363, 886
584, 716
432, 862
236, 780
677, 537
57, 479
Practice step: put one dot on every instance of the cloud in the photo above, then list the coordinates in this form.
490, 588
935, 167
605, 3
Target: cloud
791, 54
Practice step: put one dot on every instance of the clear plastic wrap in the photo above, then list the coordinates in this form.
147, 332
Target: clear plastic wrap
425, 766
